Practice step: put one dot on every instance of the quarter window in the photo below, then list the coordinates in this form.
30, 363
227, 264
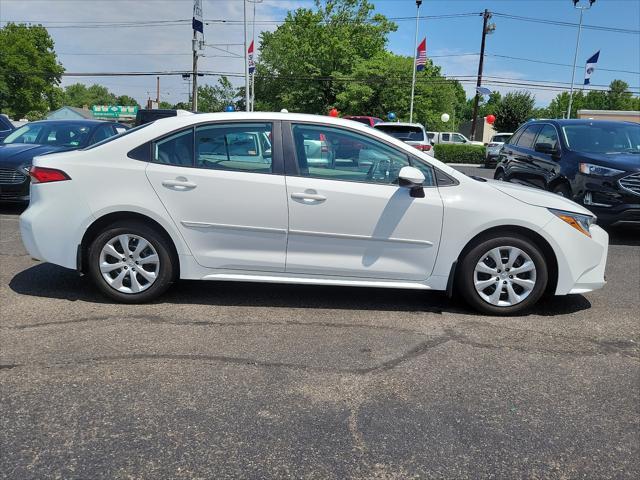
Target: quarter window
237, 147
336, 154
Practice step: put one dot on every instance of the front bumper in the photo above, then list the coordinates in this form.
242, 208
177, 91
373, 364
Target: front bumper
581, 260
14, 192
607, 199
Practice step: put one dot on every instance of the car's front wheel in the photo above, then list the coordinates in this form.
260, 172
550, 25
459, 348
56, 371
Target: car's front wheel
131, 262
503, 275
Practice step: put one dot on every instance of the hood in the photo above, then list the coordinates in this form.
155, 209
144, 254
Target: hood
20, 154
539, 198
629, 162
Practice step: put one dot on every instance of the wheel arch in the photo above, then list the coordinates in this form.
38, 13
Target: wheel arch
560, 180
110, 218
539, 240
498, 170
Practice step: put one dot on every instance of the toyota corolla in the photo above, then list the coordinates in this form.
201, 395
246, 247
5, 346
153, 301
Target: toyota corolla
234, 197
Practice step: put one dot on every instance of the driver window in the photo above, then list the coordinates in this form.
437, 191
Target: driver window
336, 154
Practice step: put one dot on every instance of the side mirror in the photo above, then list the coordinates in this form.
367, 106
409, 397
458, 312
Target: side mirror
545, 148
413, 179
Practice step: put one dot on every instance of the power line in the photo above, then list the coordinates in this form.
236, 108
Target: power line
566, 24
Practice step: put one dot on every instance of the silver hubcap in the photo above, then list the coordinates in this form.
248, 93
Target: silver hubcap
129, 263
504, 276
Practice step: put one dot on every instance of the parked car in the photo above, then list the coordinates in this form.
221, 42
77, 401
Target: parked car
493, 148
148, 115
593, 162
19, 148
6, 127
452, 137
136, 220
370, 121
412, 134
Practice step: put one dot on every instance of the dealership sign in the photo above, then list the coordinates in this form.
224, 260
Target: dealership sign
114, 111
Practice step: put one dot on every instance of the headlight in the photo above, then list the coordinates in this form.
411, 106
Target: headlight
580, 222
590, 169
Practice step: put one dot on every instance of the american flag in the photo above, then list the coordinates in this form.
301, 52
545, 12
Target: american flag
421, 59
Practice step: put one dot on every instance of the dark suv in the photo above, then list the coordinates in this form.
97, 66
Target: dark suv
594, 163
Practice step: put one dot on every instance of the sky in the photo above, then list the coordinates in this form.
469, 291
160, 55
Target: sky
84, 44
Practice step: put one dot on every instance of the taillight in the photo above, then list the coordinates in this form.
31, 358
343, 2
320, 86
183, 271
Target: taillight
423, 148
47, 175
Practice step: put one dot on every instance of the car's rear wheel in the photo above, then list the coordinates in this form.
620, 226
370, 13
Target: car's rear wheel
131, 262
503, 275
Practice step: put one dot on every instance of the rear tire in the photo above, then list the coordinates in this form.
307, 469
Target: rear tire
131, 262
502, 275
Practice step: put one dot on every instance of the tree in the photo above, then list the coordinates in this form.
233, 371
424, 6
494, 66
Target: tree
165, 105
29, 70
619, 97
126, 100
79, 95
514, 109
214, 98
382, 84
301, 62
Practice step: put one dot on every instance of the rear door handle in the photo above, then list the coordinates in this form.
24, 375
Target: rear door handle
179, 184
308, 196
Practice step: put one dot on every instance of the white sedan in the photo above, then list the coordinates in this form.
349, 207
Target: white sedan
198, 197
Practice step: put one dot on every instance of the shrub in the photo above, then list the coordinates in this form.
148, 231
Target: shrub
459, 153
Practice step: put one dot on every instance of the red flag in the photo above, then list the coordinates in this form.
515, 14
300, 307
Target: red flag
252, 63
421, 59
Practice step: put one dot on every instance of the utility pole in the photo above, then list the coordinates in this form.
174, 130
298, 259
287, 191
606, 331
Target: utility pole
415, 46
198, 26
486, 16
158, 90
575, 56
246, 60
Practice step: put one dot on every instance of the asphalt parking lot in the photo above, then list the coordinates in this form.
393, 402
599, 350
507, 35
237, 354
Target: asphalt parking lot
273, 381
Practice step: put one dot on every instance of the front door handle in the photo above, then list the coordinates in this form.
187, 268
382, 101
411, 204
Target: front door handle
179, 183
308, 196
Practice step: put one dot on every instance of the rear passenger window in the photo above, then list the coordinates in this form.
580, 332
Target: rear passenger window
527, 137
237, 147
176, 149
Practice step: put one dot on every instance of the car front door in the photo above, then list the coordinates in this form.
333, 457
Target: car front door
351, 218
224, 189
546, 165
522, 169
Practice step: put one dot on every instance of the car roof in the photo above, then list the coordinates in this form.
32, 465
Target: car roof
398, 124
580, 121
71, 121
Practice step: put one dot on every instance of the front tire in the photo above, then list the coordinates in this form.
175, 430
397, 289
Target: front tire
503, 275
563, 190
131, 262
500, 176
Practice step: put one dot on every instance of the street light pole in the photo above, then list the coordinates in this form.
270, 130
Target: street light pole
575, 55
415, 46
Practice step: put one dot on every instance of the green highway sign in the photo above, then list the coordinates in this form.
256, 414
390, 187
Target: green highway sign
114, 111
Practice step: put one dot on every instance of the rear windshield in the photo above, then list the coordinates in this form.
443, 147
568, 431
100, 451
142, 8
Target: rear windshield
119, 135
501, 138
403, 132
360, 120
606, 138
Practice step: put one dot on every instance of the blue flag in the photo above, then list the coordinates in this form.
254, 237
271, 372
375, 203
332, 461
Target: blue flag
590, 67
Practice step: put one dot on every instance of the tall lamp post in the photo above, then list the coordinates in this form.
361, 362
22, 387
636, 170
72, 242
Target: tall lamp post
415, 45
582, 8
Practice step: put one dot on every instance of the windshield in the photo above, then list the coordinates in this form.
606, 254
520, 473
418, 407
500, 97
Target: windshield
501, 138
65, 134
606, 138
403, 132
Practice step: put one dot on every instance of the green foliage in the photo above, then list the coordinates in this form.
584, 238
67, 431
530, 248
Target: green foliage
301, 58
79, 95
514, 109
29, 70
213, 98
383, 84
618, 97
450, 153
165, 105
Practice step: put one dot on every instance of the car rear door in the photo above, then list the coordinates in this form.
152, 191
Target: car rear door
225, 192
352, 219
